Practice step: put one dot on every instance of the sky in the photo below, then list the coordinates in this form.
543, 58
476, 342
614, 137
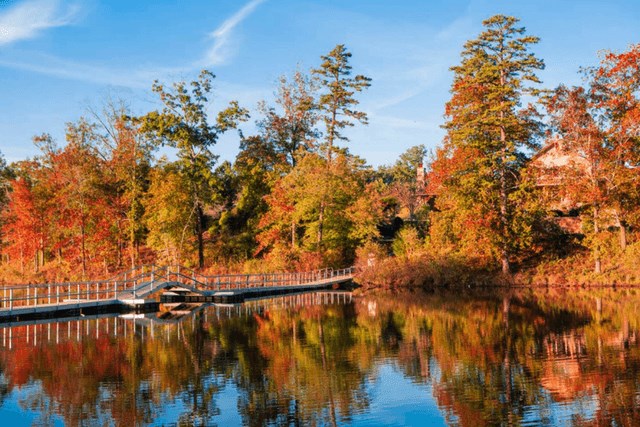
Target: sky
59, 59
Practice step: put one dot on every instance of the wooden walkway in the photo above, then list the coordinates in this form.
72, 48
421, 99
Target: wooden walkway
134, 289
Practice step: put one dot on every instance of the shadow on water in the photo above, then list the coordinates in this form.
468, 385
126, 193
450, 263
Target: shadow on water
331, 358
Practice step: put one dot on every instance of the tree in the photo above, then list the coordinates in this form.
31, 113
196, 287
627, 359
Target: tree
402, 178
242, 189
21, 224
336, 105
128, 157
486, 120
84, 205
615, 85
292, 131
582, 181
169, 212
183, 124
312, 195
6, 175
337, 101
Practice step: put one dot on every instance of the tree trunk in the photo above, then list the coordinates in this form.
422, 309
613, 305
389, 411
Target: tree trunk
504, 250
22, 259
622, 232
320, 224
132, 246
332, 127
200, 231
41, 253
623, 236
293, 234
596, 231
84, 252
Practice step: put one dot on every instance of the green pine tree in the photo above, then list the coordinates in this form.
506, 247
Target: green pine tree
487, 120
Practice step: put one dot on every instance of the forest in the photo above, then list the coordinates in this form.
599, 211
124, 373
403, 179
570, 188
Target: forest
125, 189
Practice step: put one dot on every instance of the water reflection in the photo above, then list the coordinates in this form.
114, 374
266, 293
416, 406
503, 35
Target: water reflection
517, 358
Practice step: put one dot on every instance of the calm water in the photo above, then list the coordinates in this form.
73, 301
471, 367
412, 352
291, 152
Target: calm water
547, 358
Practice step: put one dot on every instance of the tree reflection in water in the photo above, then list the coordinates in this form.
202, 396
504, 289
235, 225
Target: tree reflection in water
492, 358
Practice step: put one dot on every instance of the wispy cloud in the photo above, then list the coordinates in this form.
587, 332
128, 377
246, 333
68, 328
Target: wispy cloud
28, 19
220, 50
71, 70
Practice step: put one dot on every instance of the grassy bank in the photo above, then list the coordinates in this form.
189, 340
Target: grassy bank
576, 268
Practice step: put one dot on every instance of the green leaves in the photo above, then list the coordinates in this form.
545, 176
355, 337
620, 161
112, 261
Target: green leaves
337, 99
487, 129
183, 124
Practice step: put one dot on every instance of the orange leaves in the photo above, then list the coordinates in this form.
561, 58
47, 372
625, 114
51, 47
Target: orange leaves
626, 63
24, 223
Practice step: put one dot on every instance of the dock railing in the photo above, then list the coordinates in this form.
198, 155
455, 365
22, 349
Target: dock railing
147, 279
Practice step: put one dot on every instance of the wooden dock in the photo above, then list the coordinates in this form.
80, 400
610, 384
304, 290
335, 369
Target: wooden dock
138, 290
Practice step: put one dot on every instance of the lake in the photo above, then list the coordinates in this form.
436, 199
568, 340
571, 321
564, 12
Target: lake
547, 357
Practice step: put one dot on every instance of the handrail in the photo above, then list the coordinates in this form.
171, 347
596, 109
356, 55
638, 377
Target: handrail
150, 279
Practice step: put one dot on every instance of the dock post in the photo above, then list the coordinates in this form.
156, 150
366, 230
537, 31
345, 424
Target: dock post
48, 294
58, 294
10, 300
28, 294
35, 290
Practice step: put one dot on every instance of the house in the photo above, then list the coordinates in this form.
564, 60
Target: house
551, 166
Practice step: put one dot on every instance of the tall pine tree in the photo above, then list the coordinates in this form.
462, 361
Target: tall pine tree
336, 103
486, 118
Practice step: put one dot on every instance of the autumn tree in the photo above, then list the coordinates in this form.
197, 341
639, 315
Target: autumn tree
290, 126
614, 92
184, 125
21, 224
169, 212
485, 118
351, 208
86, 210
583, 179
128, 159
6, 176
71, 209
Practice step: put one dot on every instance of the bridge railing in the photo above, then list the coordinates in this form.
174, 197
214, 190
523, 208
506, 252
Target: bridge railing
145, 278
238, 281
57, 293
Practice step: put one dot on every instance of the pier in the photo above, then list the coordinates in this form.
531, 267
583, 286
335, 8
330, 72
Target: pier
138, 290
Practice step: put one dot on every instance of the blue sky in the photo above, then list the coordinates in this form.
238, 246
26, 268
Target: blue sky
58, 58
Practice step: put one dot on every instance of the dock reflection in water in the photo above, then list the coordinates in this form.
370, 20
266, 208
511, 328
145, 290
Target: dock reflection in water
328, 358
